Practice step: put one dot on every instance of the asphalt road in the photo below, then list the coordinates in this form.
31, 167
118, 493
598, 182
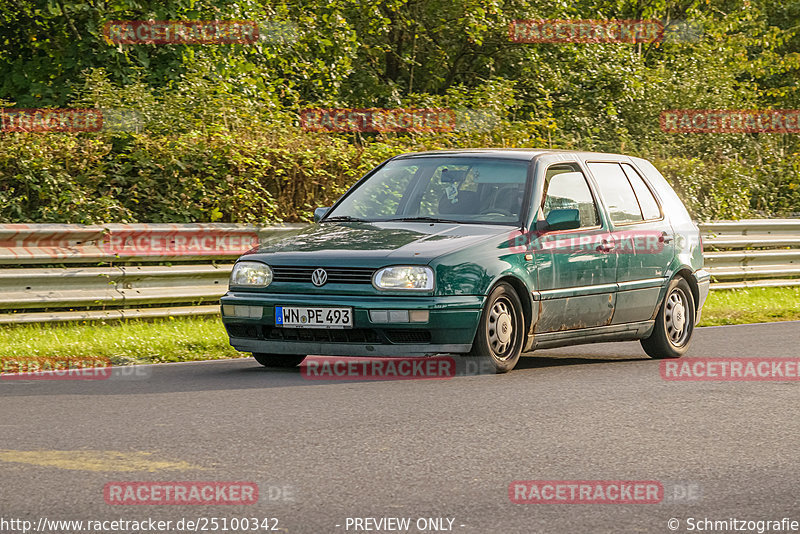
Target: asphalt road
322, 452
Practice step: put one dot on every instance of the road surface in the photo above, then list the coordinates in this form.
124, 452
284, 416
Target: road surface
325, 451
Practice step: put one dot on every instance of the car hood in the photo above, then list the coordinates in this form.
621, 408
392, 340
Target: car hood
372, 244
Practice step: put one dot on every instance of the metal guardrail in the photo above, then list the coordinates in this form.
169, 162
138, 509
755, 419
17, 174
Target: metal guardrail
159, 270
94, 272
752, 253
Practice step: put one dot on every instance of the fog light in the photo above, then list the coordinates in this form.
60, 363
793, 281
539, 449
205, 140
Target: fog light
418, 316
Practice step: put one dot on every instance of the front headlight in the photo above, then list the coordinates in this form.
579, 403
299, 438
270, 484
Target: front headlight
251, 273
404, 277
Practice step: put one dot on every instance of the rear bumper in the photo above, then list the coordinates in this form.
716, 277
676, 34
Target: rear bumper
703, 279
450, 328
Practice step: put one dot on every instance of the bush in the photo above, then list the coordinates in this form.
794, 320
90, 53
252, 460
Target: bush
203, 154
262, 177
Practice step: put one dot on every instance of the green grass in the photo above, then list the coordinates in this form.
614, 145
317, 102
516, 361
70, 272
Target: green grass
753, 305
187, 339
165, 340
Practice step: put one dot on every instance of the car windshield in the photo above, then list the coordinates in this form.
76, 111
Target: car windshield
445, 189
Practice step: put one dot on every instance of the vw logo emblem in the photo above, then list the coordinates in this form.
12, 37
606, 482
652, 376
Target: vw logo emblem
319, 277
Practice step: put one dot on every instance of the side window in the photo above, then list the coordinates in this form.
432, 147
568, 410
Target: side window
617, 192
566, 188
647, 201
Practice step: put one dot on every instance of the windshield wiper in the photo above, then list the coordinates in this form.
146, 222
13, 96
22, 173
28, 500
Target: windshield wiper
425, 219
342, 218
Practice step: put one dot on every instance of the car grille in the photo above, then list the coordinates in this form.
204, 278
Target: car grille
408, 336
336, 275
252, 331
322, 335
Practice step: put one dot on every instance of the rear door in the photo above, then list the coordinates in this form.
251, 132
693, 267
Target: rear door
644, 239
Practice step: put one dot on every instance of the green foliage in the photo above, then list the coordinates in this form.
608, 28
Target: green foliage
270, 173
711, 191
219, 138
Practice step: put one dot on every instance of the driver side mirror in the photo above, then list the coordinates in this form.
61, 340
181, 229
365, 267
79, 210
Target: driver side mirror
319, 213
563, 219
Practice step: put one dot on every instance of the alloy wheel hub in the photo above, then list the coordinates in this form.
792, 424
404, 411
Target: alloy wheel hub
679, 316
504, 328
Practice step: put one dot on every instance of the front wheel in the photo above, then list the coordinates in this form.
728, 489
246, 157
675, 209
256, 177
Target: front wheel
501, 331
278, 360
674, 323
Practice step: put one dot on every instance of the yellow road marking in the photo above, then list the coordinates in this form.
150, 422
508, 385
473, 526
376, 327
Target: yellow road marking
91, 460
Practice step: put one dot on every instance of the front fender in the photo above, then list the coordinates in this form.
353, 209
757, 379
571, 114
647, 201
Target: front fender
476, 269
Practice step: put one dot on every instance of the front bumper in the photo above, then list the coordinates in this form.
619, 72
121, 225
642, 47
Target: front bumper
451, 326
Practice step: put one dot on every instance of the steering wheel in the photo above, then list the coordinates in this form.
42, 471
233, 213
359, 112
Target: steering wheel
496, 211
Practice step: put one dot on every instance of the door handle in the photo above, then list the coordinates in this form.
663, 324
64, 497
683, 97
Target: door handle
665, 238
605, 246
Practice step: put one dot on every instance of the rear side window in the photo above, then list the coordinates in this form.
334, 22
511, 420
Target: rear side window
623, 207
566, 188
647, 201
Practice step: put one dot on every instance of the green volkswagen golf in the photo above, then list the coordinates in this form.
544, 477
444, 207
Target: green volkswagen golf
486, 254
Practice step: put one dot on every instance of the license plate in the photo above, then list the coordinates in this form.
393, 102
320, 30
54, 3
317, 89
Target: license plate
303, 317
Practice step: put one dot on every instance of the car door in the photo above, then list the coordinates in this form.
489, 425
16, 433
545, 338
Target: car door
576, 268
644, 239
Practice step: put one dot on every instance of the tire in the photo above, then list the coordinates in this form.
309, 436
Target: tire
674, 323
278, 360
501, 331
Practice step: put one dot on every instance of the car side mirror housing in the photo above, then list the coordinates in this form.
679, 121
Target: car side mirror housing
319, 213
563, 219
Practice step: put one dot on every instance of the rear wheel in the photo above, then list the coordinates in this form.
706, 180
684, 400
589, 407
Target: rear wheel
498, 342
278, 360
674, 323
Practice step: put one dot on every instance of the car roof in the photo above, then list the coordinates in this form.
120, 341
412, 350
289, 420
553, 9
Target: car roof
524, 154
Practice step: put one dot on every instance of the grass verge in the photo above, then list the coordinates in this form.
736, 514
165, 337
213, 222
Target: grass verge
752, 305
188, 339
166, 340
